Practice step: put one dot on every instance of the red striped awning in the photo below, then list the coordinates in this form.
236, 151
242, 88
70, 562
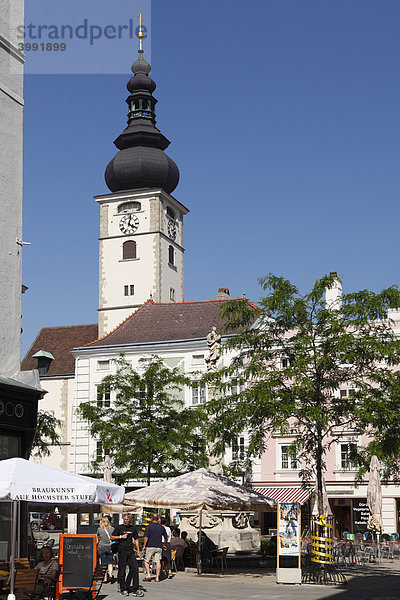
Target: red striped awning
286, 494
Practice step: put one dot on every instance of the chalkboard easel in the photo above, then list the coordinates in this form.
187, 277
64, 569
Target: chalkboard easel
77, 559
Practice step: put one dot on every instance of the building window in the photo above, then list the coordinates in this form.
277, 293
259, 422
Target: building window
197, 360
129, 290
286, 362
347, 393
238, 452
99, 451
103, 365
170, 212
171, 255
288, 458
172, 294
128, 250
103, 397
198, 392
129, 207
346, 449
237, 386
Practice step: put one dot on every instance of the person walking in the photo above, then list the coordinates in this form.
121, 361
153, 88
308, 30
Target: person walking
166, 554
155, 538
104, 547
127, 538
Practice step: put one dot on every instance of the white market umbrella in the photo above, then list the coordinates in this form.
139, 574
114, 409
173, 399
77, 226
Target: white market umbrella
374, 496
33, 482
201, 489
198, 490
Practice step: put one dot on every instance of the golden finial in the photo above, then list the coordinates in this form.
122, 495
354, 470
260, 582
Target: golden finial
140, 32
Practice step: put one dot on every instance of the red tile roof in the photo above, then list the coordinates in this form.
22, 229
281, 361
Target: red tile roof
59, 341
162, 322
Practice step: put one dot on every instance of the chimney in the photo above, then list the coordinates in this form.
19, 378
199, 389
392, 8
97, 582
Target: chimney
223, 294
333, 295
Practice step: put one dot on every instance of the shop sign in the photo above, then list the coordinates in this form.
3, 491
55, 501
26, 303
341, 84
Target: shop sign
360, 515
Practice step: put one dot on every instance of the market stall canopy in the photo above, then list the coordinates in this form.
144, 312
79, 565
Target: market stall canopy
28, 481
197, 490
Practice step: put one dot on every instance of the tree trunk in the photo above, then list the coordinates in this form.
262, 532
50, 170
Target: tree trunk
319, 475
148, 477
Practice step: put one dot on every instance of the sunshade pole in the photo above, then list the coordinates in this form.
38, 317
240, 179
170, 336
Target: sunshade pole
199, 543
11, 595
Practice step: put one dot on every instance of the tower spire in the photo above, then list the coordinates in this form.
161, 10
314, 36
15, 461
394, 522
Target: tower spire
140, 34
141, 161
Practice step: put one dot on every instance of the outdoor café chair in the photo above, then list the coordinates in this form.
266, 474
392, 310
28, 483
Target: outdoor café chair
219, 556
24, 585
177, 558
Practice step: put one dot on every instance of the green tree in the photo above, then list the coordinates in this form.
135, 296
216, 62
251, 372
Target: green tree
46, 433
146, 430
295, 353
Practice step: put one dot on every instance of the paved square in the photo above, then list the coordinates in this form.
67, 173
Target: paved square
367, 583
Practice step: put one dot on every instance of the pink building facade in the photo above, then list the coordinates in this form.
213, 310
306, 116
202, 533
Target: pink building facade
277, 475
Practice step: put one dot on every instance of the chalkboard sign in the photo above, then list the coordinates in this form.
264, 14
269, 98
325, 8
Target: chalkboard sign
78, 557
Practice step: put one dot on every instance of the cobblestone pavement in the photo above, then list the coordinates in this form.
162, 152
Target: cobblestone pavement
373, 582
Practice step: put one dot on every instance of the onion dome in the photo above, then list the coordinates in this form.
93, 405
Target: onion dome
141, 161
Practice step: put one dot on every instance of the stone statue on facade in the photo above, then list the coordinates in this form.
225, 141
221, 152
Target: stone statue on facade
214, 349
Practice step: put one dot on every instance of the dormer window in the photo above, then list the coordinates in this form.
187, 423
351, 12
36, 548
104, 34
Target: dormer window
44, 361
128, 207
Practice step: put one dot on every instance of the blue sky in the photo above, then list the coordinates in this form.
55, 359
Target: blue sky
283, 118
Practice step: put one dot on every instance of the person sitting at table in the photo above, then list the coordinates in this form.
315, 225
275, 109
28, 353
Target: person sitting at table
47, 567
207, 547
176, 541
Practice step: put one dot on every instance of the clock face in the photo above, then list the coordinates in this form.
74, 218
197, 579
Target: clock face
129, 224
171, 230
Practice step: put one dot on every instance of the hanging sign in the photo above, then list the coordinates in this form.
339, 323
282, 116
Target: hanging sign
289, 529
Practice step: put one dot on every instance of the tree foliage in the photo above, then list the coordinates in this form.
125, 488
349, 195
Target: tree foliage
295, 360
46, 433
146, 430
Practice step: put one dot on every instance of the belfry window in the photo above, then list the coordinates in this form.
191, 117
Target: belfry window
129, 207
170, 212
128, 250
171, 255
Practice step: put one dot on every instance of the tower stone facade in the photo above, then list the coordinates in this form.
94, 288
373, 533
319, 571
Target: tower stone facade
141, 254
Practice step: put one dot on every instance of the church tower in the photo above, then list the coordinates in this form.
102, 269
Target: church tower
141, 223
